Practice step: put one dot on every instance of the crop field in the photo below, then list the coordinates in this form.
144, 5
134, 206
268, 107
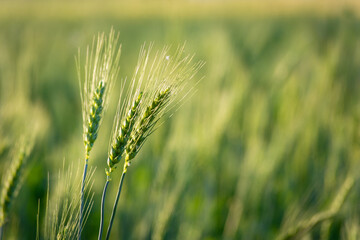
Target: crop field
262, 143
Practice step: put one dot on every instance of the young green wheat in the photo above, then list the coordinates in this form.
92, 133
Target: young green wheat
100, 70
162, 84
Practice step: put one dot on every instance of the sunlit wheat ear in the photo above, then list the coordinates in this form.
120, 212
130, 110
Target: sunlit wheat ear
63, 203
169, 80
12, 182
127, 112
146, 124
96, 79
100, 70
122, 134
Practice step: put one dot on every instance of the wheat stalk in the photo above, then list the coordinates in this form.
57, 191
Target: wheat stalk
123, 125
100, 70
124, 122
117, 148
166, 77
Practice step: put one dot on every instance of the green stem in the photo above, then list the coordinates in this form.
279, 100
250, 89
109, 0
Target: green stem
82, 197
102, 208
115, 206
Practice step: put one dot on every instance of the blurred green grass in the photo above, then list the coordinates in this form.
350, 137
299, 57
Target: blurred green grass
266, 141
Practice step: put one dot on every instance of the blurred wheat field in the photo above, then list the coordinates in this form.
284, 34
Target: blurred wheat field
267, 148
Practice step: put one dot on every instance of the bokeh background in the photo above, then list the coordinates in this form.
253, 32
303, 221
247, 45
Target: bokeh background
269, 143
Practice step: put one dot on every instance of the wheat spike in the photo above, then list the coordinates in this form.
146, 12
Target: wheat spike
12, 184
100, 70
147, 122
164, 78
120, 141
168, 79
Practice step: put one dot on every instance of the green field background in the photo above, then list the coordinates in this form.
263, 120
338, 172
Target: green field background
268, 142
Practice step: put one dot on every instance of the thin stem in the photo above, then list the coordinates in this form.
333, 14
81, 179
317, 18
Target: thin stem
115, 206
102, 208
82, 196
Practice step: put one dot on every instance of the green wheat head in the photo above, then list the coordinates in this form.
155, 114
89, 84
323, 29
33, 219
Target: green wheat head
157, 83
148, 120
99, 72
122, 133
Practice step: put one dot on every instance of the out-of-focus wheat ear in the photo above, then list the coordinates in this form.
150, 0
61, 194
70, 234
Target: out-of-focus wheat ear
12, 183
308, 224
63, 203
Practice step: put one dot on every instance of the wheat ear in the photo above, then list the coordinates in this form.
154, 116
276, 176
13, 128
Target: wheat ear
146, 122
127, 112
11, 186
101, 68
63, 203
120, 140
126, 117
166, 78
